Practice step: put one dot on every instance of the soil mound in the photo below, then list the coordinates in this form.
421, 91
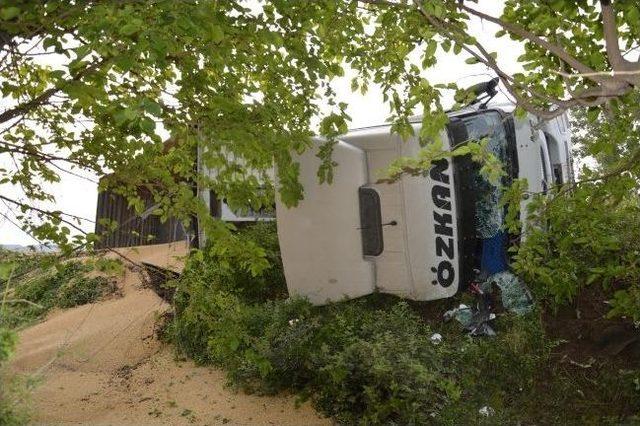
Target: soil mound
101, 364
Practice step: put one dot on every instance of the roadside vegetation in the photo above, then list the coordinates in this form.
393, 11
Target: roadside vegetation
31, 285
381, 360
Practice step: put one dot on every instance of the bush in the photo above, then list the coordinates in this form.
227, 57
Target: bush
43, 289
588, 237
82, 290
380, 367
208, 271
501, 372
65, 285
264, 347
22, 263
369, 361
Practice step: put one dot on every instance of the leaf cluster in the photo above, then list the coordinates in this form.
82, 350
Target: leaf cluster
587, 237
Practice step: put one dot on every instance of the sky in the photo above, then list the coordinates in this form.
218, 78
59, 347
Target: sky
78, 196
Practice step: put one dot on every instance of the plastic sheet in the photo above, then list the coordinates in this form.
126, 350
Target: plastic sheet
493, 257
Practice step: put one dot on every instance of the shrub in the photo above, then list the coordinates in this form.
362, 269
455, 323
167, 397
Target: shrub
8, 340
372, 361
380, 367
22, 263
501, 372
265, 347
43, 288
208, 284
207, 271
589, 237
65, 285
82, 290
367, 361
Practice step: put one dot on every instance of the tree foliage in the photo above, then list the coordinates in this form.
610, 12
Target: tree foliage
92, 85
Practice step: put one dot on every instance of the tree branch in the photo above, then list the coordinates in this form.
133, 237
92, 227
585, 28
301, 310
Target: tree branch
522, 32
48, 213
47, 158
614, 54
44, 96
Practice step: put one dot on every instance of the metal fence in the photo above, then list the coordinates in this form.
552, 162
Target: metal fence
134, 229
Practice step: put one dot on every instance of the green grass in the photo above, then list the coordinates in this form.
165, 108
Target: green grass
5, 269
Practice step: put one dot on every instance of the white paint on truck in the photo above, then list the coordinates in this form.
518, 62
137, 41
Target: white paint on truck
320, 238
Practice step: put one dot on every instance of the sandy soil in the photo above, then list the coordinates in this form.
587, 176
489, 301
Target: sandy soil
100, 364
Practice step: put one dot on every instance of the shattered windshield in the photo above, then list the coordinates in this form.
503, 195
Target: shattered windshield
489, 215
483, 241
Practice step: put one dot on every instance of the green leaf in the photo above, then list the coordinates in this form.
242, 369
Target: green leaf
148, 125
7, 13
153, 107
129, 29
216, 33
462, 150
431, 48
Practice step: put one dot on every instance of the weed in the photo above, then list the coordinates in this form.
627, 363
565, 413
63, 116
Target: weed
109, 266
8, 340
14, 400
13, 390
6, 268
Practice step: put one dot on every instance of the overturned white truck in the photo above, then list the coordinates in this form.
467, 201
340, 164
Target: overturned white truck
421, 238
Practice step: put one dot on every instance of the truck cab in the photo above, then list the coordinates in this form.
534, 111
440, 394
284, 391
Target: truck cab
421, 237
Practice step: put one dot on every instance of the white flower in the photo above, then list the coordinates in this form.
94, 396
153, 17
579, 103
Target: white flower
293, 322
